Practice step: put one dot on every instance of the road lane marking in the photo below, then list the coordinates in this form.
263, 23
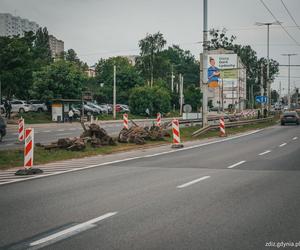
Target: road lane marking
283, 144
236, 164
264, 153
47, 131
136, 158
295, 138
71, 231
193, 182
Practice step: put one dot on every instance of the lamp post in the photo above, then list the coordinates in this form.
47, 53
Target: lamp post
268, 59
289, 78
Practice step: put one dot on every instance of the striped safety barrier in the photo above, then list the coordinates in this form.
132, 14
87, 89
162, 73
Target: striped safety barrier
158, 120
176, 134
222, 127
125, 121
21, 129
28, 151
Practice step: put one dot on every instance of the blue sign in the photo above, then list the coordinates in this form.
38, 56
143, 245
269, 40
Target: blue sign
261, 99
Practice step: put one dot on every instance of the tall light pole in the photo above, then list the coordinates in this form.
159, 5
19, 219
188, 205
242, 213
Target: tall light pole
204, 65
114, 93
268, 59
289, 78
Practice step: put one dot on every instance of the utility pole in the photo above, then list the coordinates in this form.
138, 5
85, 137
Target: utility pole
181, 92
222, 95
172, 79
252, 97
261, 84
204, 65
114, 93
289, 78
268, 58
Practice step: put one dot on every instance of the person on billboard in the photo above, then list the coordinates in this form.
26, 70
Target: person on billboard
213, 74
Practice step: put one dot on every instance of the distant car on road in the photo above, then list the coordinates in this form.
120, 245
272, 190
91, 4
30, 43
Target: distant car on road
2, 127
20, 106
289, 117
38, 106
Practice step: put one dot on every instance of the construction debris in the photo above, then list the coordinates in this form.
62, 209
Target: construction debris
93, 134
139, 135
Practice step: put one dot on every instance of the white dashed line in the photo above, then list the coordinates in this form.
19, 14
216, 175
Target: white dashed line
295, 138
193, 182
236, 164
70, 231
264, 153
282, 145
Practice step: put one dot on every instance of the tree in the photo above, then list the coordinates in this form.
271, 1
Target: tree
274, 96
127, 77
71, 56
16, 65
156, 99
150, 46
60, 79
193, 96
41, 48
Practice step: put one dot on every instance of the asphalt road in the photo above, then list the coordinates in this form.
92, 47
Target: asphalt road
240, 193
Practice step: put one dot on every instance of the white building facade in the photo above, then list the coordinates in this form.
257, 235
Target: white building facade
14, 25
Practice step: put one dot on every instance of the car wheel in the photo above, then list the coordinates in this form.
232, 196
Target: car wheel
2, 111
1, 136
21, 110
40, 110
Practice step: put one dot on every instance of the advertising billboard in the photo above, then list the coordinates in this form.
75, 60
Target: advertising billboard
220, 65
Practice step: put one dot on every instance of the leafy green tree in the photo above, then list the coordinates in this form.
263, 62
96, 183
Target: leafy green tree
60, 79
127, 77
193, 96
16, 65
156, 99
150, 46
41, 48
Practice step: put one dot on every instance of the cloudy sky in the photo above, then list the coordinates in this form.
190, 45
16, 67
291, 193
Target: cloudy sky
103, 28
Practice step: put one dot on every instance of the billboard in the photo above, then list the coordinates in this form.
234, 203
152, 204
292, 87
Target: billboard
217, 63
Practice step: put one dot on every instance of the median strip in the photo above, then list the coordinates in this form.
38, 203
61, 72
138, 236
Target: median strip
264, 153
236, 164
193, 182
71, 231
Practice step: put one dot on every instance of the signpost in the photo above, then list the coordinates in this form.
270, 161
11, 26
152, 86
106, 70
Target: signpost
261, 99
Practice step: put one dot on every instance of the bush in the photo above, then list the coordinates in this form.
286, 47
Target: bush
156, 99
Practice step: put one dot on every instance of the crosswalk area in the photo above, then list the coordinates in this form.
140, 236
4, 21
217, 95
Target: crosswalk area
8, 176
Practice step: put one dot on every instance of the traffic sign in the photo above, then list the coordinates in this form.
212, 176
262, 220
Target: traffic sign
261, 99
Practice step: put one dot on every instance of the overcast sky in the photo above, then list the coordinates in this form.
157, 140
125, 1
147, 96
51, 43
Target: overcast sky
103, 28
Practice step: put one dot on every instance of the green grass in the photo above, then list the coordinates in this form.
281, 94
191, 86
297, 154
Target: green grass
14, 158
35, 117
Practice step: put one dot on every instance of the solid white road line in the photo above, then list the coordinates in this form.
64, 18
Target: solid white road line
266, 152
295, 138
141, 157
72, 230
193, 182
282, 145
236, 164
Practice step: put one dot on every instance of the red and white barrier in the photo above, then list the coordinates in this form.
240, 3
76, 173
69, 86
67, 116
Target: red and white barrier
28, 151
176, 134
125, 121
158, 120
222, 127
21, 129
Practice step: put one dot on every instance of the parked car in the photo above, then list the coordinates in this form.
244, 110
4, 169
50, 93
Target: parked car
290, 117
89, 110
123, 108
20, 106
38, 106
2, 127
102, 109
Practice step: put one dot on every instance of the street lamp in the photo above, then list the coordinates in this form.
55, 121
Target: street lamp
268, 59
289, 78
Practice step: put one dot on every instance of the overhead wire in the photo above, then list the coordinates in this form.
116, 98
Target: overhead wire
275, 18
290, 14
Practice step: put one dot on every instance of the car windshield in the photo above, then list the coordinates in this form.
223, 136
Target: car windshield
289, 114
